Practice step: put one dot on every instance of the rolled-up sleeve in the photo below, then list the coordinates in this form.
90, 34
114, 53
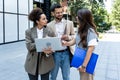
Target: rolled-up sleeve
92, 38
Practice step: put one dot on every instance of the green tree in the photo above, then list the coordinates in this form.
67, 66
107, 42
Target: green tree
116, 14
100, 15
97, 8
75, 5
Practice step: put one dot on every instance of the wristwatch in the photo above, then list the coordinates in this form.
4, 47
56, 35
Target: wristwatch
83, 66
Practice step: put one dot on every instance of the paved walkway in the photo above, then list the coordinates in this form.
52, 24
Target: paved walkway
12, 57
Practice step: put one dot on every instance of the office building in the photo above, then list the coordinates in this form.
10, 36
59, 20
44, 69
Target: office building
14, 18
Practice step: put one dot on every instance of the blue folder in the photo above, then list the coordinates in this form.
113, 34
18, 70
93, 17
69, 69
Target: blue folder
78, 59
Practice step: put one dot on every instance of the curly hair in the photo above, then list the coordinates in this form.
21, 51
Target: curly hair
35, 15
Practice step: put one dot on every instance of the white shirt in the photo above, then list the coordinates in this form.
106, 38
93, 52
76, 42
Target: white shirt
60, 30
93, 42
40, 33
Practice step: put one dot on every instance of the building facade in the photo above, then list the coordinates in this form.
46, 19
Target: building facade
14, 18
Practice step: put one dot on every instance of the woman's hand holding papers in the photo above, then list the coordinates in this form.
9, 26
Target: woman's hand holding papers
48, 50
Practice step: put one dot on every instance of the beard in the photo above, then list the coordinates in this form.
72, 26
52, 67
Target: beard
59, 18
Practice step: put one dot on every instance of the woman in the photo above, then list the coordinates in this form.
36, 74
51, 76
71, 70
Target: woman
42, 62
86, 38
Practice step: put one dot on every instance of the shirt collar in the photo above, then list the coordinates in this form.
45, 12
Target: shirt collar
60, 21
39, 30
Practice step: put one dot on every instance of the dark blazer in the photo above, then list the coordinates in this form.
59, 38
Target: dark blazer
45, 63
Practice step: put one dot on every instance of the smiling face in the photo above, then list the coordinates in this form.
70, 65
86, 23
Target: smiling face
58, 13
42, 20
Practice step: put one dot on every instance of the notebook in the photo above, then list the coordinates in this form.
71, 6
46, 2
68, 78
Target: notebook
53, 42
78, 59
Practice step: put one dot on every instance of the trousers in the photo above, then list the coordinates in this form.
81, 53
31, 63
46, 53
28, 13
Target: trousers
36, 76
62, 60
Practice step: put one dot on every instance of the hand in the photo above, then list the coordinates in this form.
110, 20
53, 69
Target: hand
82, 69
48, 50
65, 43
65, 37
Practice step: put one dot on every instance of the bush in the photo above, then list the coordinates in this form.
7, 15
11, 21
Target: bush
103, 26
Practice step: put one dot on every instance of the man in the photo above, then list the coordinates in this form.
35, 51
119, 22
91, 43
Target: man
65, 30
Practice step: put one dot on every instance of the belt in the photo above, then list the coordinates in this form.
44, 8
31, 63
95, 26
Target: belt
62, 50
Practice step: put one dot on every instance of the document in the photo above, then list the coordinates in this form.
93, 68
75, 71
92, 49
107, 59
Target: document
53, 42
78, 59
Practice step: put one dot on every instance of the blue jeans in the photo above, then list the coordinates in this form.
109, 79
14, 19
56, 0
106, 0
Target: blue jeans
61, 60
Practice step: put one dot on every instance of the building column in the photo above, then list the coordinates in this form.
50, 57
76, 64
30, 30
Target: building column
46, 9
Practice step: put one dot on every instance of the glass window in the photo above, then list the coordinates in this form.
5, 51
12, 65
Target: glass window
41, 1
31, 24
1, 5
23, 25
31, 5
11, 6
10, 27
23, 6
37, 0
1, 28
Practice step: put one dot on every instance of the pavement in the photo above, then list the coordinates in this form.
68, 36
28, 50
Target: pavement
12, 58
